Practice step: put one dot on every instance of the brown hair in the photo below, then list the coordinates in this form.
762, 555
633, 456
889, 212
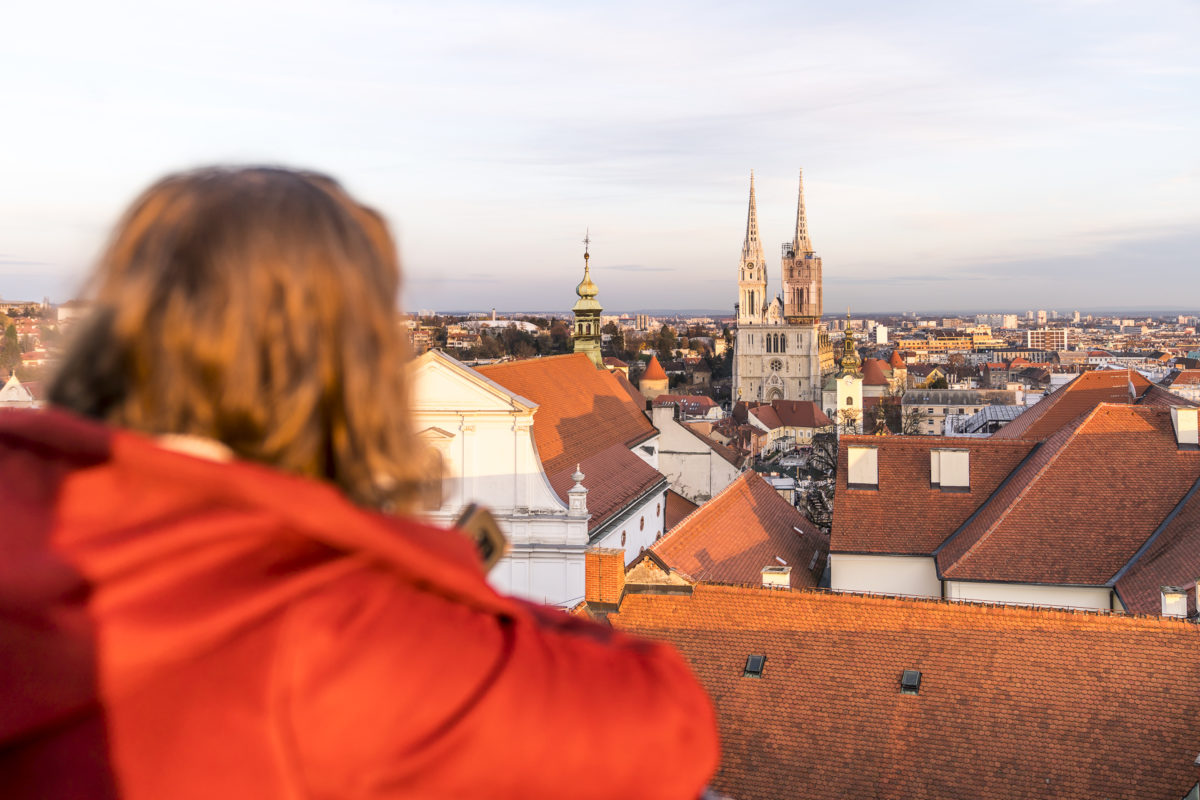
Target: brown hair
256, 307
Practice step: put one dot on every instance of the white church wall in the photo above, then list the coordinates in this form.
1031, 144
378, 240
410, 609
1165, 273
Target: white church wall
692, 467
485, 438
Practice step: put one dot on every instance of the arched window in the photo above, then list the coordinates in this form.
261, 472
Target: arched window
769, 343
657, 508
642, 524
849, 401
622, 538
783, 342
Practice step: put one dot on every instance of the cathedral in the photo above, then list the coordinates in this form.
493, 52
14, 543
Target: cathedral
781, 351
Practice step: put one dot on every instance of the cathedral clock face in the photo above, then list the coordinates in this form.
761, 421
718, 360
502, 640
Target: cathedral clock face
776, 365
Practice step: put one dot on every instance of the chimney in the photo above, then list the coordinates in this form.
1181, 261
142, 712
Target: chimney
604, 575
1174, 601
1186, 424
777, 577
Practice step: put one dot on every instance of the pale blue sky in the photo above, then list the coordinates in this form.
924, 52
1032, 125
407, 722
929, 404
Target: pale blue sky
999, 155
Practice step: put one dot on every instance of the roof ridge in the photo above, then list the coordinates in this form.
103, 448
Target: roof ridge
700, 508
1071, 430
1023, 609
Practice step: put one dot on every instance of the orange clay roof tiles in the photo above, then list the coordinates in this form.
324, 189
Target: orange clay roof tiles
1073, 399
743, 529
678, 507
1172, 559
586, 417
1013, 702
1187, 377
1082, 506
873, 373
905, 515
654, 371
630, 390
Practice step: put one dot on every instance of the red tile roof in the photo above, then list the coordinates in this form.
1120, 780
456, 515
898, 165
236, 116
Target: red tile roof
692, 404
1081, 507
746, 527
1187, 377
630, 390
654, 371
1070, 401
905, 515
873, 373
1172, 559
678, 507
1013, 702
896, 361
790, 414
585, 416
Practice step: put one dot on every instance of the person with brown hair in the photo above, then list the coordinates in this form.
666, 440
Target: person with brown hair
207, 585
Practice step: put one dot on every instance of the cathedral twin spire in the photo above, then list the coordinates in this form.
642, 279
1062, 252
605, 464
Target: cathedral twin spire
801, 243
752, 251
800, 275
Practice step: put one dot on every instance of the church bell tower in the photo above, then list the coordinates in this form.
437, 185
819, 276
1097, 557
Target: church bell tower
752, 272
801, 270
587, 313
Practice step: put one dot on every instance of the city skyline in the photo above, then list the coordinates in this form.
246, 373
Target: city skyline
998, 156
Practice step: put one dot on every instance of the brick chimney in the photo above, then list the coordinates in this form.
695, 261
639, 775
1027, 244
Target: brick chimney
604, 575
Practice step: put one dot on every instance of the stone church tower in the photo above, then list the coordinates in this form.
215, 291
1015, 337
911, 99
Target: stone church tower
801, 270
587, 314
780, 350
752, 273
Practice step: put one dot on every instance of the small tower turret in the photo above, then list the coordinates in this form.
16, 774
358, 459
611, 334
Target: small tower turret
587, 312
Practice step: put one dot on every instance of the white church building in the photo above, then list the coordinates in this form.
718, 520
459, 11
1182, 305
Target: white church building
526, 438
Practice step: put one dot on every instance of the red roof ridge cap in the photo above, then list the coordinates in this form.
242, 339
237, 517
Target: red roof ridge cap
1016, 609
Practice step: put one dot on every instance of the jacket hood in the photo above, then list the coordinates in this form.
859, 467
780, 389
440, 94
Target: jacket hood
112, 543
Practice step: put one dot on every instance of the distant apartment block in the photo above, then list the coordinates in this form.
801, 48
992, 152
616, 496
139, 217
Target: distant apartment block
1047, 338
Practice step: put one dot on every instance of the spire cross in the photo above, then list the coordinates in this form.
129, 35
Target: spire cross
587, 241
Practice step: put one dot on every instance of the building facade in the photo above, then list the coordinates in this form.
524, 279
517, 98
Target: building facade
780, 349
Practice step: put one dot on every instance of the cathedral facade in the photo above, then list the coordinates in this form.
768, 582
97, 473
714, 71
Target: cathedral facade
781, 350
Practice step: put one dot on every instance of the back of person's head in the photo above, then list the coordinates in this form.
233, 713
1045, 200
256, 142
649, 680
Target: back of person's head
256, 307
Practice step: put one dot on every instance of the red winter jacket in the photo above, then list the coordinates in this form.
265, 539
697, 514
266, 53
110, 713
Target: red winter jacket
172, 627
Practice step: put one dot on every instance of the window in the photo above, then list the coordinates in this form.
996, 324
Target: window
657, 508
754, 666
950, 470
642, 524
910, 681
863, 467
622, 538
849, 401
